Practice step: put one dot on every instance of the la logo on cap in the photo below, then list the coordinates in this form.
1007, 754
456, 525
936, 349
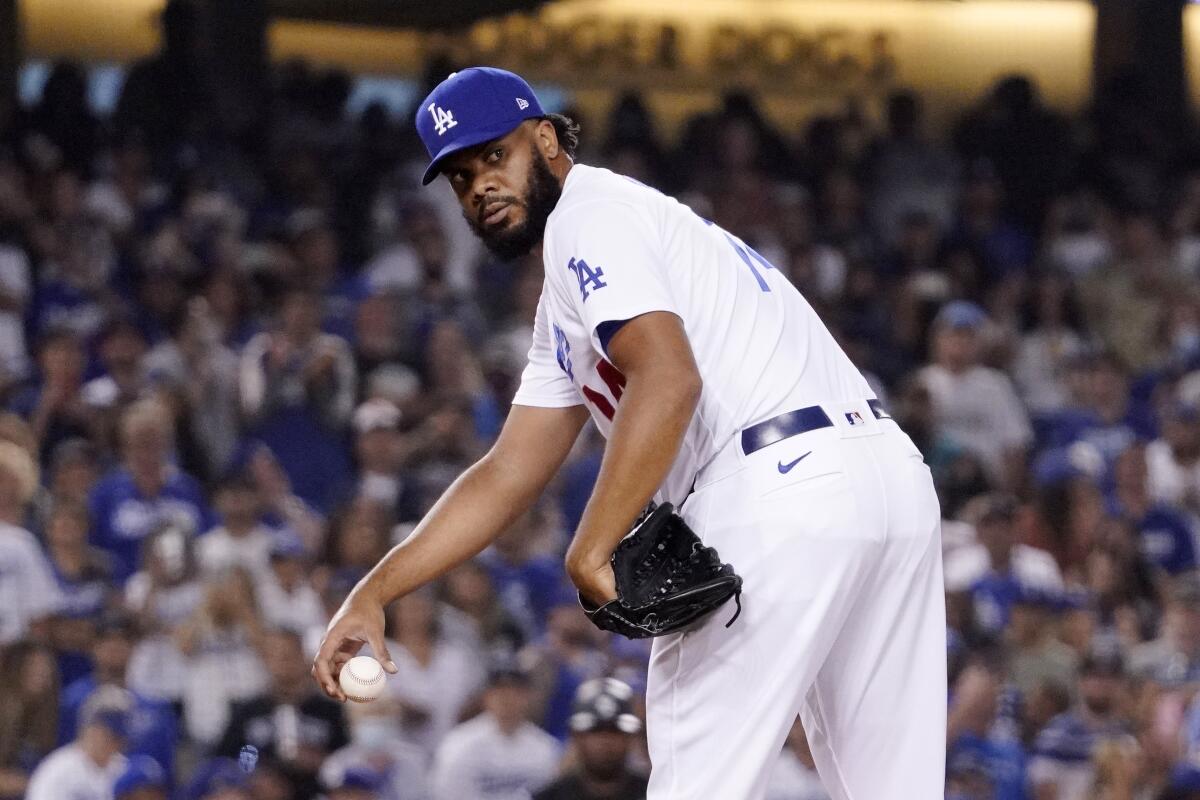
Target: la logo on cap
443, 120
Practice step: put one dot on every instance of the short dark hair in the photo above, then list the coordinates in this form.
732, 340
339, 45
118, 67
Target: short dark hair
567, 131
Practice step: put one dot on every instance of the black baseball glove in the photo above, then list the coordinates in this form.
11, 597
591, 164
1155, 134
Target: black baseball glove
666, 579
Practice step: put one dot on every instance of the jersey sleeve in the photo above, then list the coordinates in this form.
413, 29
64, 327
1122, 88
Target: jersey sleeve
544, 383
613, 263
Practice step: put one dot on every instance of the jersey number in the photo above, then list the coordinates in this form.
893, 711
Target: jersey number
615, 382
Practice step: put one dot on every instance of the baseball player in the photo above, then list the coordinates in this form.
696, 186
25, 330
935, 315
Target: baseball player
720, 391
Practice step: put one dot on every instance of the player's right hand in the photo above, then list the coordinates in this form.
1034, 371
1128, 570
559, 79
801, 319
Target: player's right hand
359, 621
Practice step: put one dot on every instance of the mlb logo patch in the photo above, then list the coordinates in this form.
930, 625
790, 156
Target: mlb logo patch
854, 418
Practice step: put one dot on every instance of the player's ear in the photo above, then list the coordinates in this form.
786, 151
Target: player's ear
546, 138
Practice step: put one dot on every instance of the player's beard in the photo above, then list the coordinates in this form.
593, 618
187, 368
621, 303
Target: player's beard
514, 241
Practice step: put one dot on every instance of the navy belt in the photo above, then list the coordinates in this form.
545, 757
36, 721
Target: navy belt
793, 423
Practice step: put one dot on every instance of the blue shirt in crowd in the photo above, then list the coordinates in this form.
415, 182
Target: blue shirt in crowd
122, 517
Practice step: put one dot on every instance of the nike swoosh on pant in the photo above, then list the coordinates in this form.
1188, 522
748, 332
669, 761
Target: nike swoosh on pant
784, 469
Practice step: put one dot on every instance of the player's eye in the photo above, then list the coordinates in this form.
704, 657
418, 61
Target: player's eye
494, 156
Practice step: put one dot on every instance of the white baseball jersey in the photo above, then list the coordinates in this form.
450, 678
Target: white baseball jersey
615, 249
28, 591
68, 774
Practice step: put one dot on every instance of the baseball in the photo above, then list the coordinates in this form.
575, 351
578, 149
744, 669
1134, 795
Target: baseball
362, 679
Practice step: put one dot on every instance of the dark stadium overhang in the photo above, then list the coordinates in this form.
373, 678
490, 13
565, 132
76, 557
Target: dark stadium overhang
423, 14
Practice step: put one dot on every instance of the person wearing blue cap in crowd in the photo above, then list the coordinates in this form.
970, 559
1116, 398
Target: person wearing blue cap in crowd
218, 779
976, 404
153, 727
714, 381
87, 767
143, 779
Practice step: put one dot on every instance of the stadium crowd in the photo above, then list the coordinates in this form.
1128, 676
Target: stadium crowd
237, 364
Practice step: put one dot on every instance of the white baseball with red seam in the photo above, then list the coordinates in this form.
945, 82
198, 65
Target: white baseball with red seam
362, 679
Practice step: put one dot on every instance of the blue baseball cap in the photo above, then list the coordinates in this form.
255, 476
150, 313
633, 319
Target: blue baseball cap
141, 772
471, 107
960, 314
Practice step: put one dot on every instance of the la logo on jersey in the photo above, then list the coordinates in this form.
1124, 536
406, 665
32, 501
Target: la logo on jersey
443, 120
586, 276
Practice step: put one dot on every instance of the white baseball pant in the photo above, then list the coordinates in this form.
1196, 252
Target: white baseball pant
843, 622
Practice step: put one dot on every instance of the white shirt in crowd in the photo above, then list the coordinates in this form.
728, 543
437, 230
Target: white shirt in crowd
1038, 368
477, 761
760, 348
156, 668
68, 774
442, 687
299, 610
793, 780
1031, 566
28, 591
979, 409
218, 550
1170, 481
15, 285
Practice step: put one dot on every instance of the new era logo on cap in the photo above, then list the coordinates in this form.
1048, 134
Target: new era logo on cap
471, 107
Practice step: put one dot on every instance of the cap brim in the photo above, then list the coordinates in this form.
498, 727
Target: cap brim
476, 138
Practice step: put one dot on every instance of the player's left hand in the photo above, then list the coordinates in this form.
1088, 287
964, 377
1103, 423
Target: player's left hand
597, 583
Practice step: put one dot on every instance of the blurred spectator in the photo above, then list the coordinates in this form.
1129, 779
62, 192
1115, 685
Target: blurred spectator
571, 652
202, 373
1125, 303
1166, 539
87, 767
146, 492
795, 776
379, 448
972, 403
290, 723
297, 393
219, 779
356, 784
1046, 348
1064, 764
498, 755
152, 727
472, 614
285, 593
221, 643
1173, 460
1036, 656
603, 727
143, 779
54, 405
526, 577
1102, 413
85, 581
910, 172
28, 713
1173, 658
29, 595
436, 676
997, 551
376, 745
241, 540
